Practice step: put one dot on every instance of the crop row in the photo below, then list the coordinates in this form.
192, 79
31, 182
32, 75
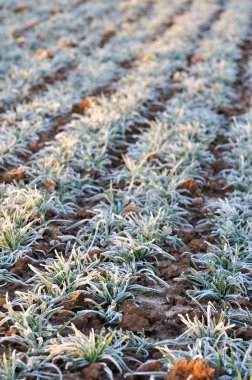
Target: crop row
39, 61
61, 96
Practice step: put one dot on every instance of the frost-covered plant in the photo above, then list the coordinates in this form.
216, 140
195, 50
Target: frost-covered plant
222, 278
241, 316
99, 229
80, 350
210, 338
14, 142
232, 219
128, 249
33, 324
218, 284
170, 152
139, 344
63, 178
64, 275
149, 228
18, 366
114, 287
17, 232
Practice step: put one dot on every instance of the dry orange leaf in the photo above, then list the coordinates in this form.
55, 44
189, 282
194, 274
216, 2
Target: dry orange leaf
13, 331
131, 208
34, 147
2, 303
193, 370
63, 45
43, 53
15, 174
30, 25
6, 120
189, 184
76, 295
49, 184
85, 103
198, 59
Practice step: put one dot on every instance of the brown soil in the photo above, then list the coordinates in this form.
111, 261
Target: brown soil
152, 366
21, 268
92, 372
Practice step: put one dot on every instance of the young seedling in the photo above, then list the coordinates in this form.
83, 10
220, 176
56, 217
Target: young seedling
79, 350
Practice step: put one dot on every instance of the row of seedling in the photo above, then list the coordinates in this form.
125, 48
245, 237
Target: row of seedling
223, 274
162, 58
88, 59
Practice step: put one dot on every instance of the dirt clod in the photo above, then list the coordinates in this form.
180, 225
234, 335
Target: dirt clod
152, 366
134, 319
197, 245
21, 266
